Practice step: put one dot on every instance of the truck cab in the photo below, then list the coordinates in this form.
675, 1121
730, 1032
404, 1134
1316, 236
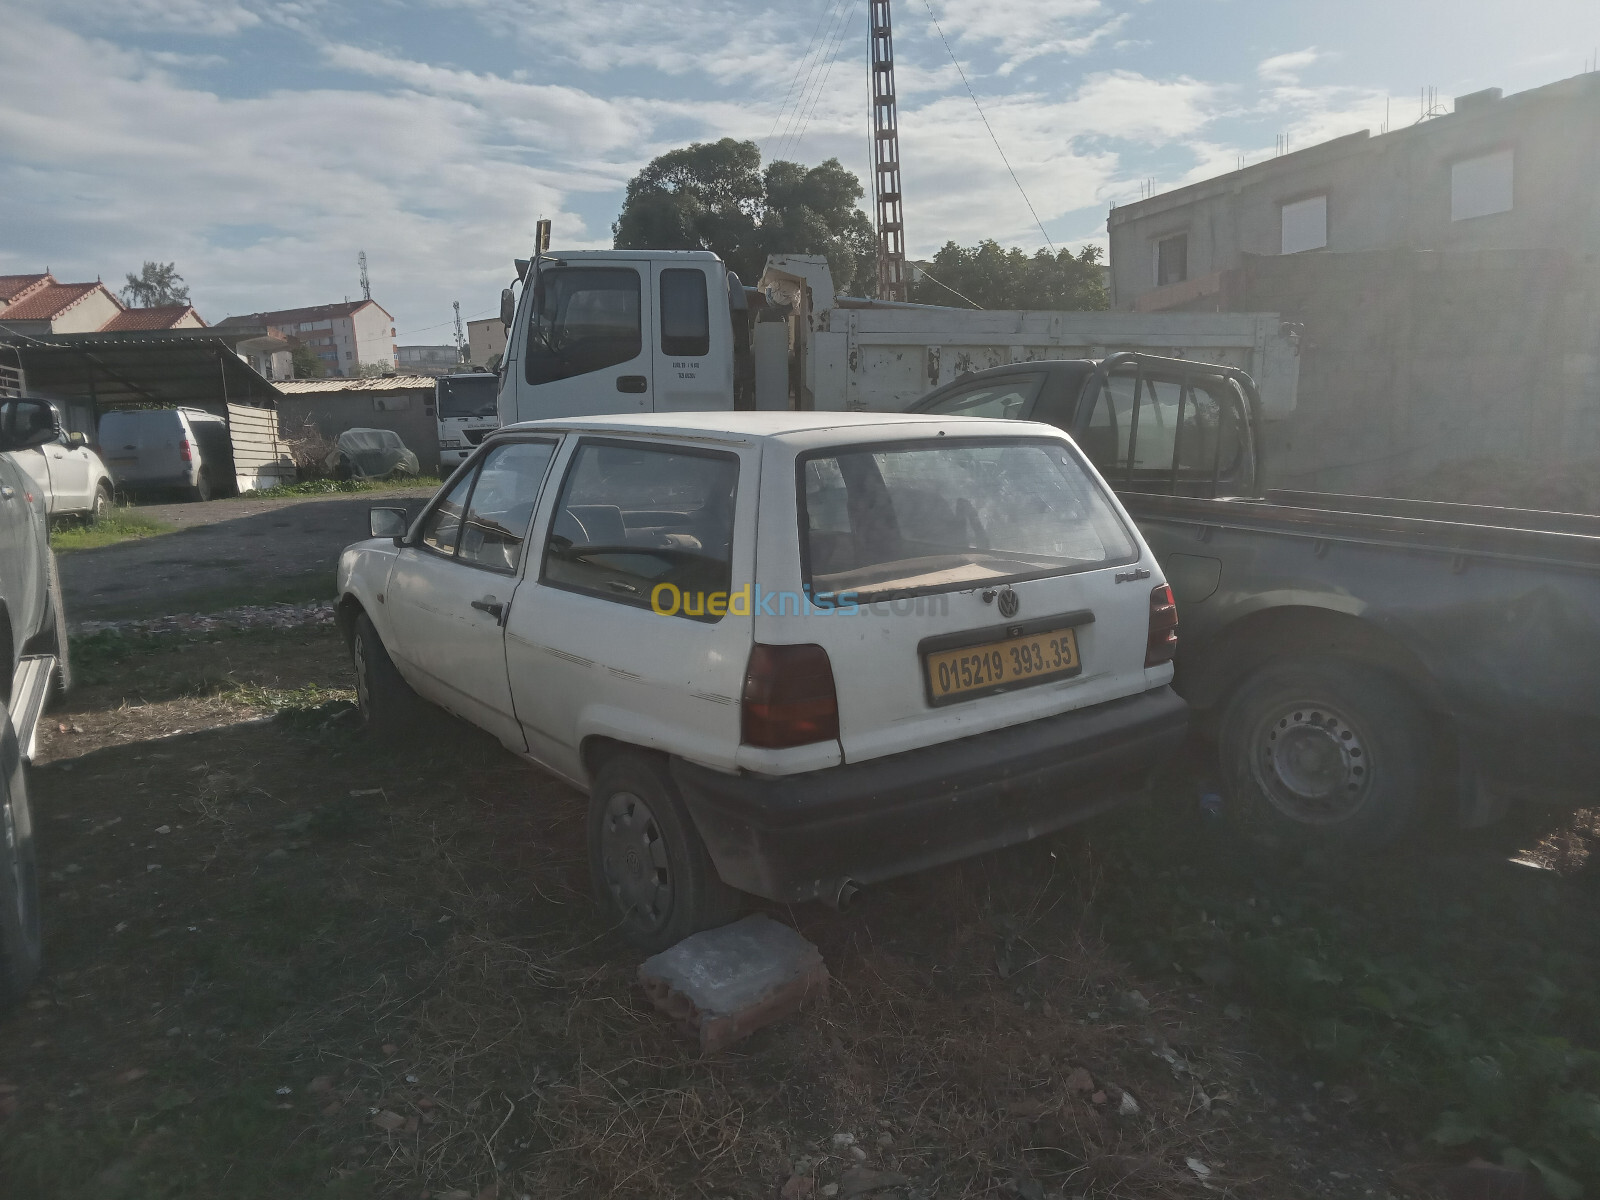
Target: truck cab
621, 331
466, 407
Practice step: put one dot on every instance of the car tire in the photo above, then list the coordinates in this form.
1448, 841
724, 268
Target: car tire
389, 708
19, 879
101, 506
201, 491
650, 870
1326, 751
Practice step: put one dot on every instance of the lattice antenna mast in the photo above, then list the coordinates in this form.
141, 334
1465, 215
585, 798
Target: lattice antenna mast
461, 342
886, 160
366, 287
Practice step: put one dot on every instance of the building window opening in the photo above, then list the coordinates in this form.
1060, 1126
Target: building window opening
1172, 259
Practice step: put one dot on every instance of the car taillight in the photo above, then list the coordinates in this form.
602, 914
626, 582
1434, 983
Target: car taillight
789, 698
1163, 641
183, 451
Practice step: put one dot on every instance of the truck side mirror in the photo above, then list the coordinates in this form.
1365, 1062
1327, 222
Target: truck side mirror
508, 307
386, 522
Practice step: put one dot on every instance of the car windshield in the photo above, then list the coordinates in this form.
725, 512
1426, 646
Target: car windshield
956, 513
473, 397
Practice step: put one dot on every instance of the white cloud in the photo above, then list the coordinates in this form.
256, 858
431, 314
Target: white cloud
1025, 29
1286, 68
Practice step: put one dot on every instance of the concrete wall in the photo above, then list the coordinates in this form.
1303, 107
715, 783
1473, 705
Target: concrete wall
374, 337
1388, 191
407, 411
1411, 362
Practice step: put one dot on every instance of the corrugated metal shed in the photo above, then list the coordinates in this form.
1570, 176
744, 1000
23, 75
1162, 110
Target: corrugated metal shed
165, 367
382, 383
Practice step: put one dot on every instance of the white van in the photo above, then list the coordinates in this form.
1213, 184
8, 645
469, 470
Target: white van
158, 448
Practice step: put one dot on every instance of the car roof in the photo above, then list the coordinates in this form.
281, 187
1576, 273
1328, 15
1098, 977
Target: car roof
798, 429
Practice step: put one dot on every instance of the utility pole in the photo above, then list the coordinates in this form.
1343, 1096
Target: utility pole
366, 288
461, 342
886, 160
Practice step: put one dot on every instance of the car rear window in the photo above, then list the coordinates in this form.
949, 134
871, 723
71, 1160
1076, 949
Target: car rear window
930, 515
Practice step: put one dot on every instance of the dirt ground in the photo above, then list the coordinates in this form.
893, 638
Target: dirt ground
284, 961
223, 551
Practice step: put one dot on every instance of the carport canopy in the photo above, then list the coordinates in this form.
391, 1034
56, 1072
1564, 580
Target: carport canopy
136, 369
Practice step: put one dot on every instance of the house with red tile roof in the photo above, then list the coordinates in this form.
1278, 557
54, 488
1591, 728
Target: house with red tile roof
39, 304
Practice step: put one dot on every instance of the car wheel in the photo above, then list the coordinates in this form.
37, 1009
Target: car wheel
389, 708
202, 486
649, 868
19, 885
101, 506
1326, 750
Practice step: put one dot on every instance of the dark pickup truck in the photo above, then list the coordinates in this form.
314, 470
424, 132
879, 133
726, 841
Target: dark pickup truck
1362, 661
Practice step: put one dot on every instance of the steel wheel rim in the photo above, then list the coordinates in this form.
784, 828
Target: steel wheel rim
634, 861
1311, 763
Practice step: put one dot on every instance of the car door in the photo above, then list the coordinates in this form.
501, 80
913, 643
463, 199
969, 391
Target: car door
69, 476
448, 595
586, 349
636, 624
35, 464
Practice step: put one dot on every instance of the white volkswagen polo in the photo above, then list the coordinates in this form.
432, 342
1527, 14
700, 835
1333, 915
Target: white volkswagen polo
786, 654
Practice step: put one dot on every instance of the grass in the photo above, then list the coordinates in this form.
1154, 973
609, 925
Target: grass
121, 524
339, 487
1448, 995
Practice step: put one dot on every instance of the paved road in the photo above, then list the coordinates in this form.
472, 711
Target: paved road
224, 552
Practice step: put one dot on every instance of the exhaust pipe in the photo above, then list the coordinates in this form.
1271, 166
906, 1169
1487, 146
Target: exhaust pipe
841, 894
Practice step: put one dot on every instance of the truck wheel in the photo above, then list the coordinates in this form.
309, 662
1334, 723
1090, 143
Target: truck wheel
1325, 750
649, 867
101, 506
19, 883
389, 708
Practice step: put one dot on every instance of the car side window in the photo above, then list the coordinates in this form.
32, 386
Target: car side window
639, 523
1007, 398
502, 504
1208, 437
442, 528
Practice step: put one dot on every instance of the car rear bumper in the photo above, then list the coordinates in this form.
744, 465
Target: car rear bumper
798, 837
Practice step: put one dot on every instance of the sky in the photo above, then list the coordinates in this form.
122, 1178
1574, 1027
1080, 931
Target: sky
262, 144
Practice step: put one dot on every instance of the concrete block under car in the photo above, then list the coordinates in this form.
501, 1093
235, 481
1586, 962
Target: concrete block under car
724, 984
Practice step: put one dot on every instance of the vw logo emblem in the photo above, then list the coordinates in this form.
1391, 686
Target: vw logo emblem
1009, 603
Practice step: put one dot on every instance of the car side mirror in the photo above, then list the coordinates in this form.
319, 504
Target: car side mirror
386, 522
508, 307
28, 423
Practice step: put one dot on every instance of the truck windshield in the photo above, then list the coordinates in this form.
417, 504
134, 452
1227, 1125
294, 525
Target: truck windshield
473, 397
928, 516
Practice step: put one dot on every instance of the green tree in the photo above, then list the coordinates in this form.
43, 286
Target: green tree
993, 277
156, 285
307, 364
715, 196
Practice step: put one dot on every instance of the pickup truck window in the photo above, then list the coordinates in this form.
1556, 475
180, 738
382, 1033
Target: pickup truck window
502, 504
1162, 443
584, 319
632, 518
685, 315
1007, 398
922, 516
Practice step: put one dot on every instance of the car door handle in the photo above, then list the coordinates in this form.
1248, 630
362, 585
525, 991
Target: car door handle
491, 606
632, 383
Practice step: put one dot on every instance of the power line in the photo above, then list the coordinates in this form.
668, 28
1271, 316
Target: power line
812, 86
798, 66
809, 62
986, 124
822, 89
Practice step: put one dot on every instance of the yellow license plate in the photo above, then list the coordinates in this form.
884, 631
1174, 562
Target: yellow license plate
1001, 665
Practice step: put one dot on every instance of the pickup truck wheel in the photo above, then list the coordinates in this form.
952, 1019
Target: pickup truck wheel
649, 866
389, 708
101, 506
1325, 750
19, 886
